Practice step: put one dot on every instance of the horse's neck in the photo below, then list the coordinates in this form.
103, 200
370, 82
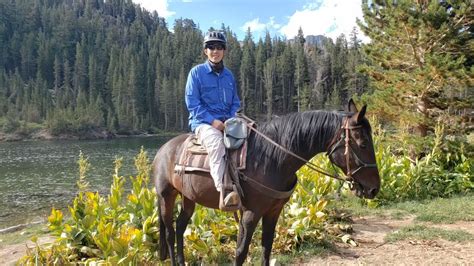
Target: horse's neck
304, 134
312, 141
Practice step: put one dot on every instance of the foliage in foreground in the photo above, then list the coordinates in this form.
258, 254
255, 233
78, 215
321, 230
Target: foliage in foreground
445, 170
123, 228
111, 229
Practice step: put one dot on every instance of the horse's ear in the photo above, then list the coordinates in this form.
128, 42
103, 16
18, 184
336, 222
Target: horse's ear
360, 114
351, 107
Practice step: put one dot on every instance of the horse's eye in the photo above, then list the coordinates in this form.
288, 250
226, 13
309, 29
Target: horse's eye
356, 134
363, 145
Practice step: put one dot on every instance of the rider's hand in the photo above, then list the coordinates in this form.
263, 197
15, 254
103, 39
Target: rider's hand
218, 124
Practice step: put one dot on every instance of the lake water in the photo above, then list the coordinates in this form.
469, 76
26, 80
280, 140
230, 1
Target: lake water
37, 175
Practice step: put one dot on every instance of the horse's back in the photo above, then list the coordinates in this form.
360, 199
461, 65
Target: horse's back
197, 186
164, 161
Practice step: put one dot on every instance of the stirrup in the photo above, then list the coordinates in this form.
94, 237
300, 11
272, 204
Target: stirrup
231, 202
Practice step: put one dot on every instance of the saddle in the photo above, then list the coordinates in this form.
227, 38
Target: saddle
194, 157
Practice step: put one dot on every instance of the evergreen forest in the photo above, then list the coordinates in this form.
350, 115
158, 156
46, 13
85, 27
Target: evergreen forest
110, 66
78, 66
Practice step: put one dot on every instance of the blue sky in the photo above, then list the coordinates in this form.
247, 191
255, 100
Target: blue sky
279, 17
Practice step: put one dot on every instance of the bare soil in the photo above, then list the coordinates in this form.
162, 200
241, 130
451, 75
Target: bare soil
10, 254
372, 249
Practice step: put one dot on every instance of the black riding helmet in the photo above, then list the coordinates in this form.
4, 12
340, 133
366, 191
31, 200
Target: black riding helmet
214, 37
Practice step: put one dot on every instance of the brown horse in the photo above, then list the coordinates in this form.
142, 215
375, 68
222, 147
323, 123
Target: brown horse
346, 137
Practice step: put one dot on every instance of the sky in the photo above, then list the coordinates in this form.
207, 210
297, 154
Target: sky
278, 17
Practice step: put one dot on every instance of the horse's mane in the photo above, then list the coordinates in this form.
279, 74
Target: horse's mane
302, 133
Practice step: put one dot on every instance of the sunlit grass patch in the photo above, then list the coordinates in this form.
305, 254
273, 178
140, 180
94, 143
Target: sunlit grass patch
23, 235
422, 232
441, 210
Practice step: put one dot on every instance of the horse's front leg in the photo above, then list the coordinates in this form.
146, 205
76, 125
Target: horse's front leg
181, 224
246, 228
269, 222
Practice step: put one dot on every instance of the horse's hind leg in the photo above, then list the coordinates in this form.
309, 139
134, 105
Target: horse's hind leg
166, 205
181, 224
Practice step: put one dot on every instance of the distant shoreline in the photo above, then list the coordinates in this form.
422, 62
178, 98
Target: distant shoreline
90, 135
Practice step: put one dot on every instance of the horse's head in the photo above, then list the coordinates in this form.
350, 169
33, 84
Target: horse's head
353, 151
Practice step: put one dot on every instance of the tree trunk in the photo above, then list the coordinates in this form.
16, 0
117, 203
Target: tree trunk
421, 128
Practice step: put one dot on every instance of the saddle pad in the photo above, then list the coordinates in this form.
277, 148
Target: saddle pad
194, 157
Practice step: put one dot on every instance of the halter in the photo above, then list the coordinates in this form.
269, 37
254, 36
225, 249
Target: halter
346, 137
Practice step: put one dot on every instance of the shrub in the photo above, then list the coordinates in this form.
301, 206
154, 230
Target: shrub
445, 170
112, 229
123, 229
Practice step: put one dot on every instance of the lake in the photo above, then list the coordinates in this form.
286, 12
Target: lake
38, 175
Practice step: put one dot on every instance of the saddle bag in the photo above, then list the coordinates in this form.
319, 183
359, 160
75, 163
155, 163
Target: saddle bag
235, 133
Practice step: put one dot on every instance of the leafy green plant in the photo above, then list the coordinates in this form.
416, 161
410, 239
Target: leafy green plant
445, 170
112, 230
122, 228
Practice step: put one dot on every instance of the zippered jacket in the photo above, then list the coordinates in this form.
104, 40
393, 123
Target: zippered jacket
210, 95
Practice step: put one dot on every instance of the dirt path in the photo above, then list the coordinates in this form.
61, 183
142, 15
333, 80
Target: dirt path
9, 254
370, 232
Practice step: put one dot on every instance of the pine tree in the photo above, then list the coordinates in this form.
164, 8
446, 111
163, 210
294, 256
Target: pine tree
233, 56
269, 72
339, 72
79, 76
286, 73
357, 83
260, 94
418, 53
57, 70
301, 74
247, 72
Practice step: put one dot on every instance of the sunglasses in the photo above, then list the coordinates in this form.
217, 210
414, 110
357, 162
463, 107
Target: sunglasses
215, 47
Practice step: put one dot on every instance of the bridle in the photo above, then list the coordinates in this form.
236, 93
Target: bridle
345, 133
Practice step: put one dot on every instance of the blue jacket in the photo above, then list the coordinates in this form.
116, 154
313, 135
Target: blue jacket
210, 96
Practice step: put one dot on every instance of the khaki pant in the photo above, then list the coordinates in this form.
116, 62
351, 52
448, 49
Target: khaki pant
212, 140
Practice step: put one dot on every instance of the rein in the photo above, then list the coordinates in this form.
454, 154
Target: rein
308, 163
332, 147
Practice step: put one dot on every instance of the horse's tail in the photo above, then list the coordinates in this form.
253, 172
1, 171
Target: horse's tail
163, 244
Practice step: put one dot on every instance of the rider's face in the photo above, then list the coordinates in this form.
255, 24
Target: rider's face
214, 52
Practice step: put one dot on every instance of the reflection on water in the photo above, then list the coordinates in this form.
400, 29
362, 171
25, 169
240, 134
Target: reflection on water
38, 175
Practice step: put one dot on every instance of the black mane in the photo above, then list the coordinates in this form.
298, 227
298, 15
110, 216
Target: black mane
305, 134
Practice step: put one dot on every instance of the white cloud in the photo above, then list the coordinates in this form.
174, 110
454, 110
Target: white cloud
254, 25
272, 24
325, 17
160, 6
257, 27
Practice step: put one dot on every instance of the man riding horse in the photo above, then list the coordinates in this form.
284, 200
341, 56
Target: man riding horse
211, 99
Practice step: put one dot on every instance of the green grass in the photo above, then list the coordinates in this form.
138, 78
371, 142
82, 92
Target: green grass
23, 235
439, 210
421, 232
449, 210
